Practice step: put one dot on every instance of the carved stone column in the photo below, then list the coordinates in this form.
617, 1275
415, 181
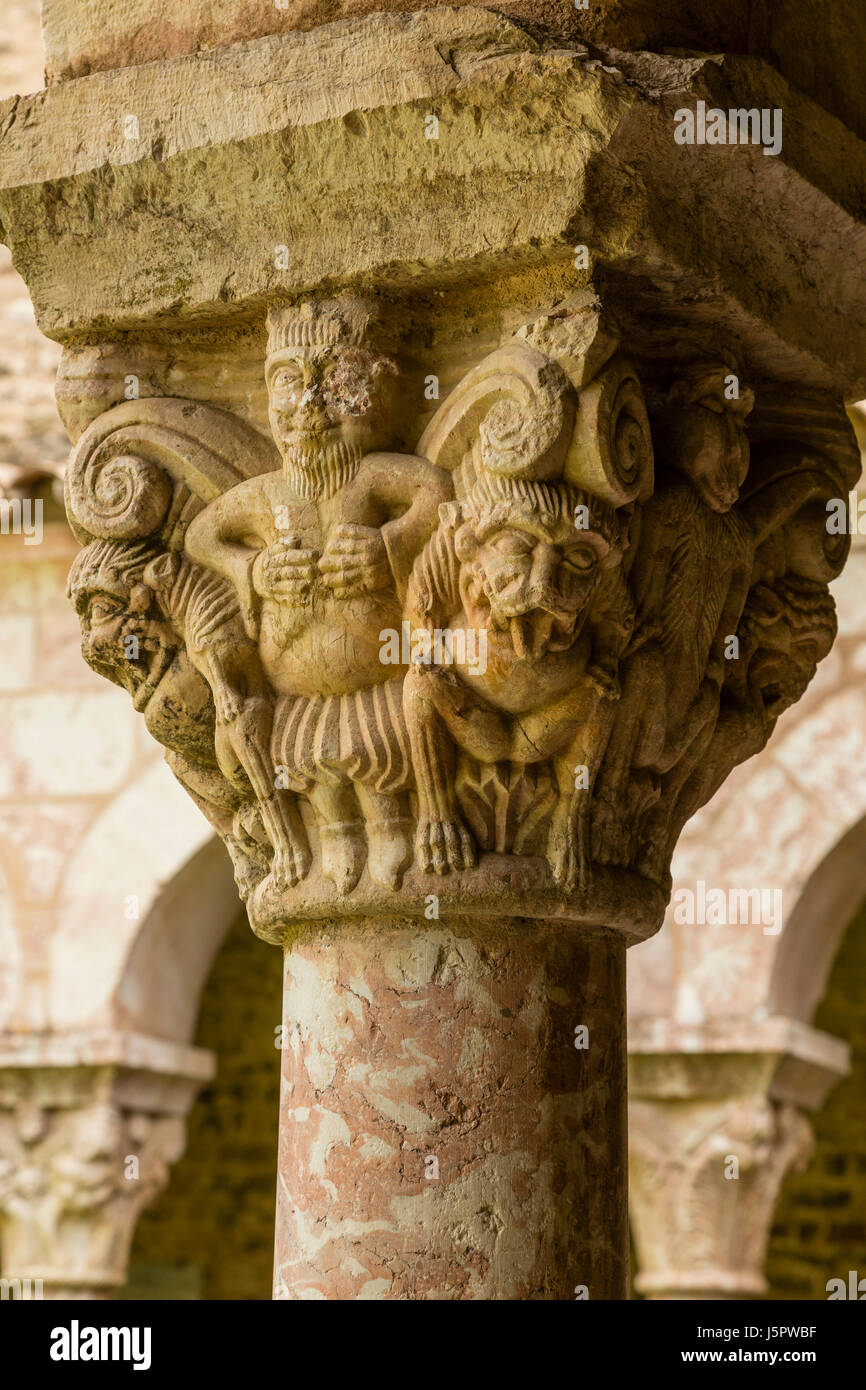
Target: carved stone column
715, 1124
451, 459
89, 1128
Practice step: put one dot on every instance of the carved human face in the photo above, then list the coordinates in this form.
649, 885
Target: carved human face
784, 654
329, 402
710, 442
122, 641
528, 580
84, 1170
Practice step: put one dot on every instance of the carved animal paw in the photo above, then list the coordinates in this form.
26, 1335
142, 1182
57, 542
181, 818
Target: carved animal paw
288, 867
389, 852
228, 705
569, 859
343, 855
444, 845
248, 873
604, 679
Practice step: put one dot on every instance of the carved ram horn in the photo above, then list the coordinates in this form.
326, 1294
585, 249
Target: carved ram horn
611, 450
517, 405
132, 468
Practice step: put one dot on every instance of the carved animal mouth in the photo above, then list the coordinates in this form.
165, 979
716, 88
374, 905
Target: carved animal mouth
535, 630
721, 499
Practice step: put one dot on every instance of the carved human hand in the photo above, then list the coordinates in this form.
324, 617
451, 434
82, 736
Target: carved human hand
354, 560
284, 569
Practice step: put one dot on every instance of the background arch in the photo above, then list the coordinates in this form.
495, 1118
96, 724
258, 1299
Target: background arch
147, 899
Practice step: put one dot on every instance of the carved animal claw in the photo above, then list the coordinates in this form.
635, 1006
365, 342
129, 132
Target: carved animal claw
288, 866
228, 705
443, 846
569, 859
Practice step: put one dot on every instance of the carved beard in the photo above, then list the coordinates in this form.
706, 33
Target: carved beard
318, 473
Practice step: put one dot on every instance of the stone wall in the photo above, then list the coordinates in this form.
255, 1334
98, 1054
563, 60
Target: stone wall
31, 434
68, 744
814, 43
819, 1232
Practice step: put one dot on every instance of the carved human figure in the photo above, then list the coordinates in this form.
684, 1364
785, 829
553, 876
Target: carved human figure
689, 577
509, 562
319, 553
785, 630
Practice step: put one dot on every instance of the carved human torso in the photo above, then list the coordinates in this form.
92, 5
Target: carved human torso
318, 642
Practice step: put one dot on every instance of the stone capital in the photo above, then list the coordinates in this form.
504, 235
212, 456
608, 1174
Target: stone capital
482, 658
716, 1121
90, 1125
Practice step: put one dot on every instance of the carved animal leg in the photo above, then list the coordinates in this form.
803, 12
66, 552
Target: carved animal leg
664, 822
482, 731
636, 739
342, 836
569, 843
248, 737
248, 873
389, 840
227, 700
574, 732
198, 781
702, 715
442, 839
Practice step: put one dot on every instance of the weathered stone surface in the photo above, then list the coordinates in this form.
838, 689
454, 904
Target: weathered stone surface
302, 141
815, 46
518, 641
31, 436
442, 1116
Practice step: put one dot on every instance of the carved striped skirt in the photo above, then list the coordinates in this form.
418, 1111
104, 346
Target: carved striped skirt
333, 740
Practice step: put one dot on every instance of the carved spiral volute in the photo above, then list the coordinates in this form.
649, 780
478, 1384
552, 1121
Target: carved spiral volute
115, 494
